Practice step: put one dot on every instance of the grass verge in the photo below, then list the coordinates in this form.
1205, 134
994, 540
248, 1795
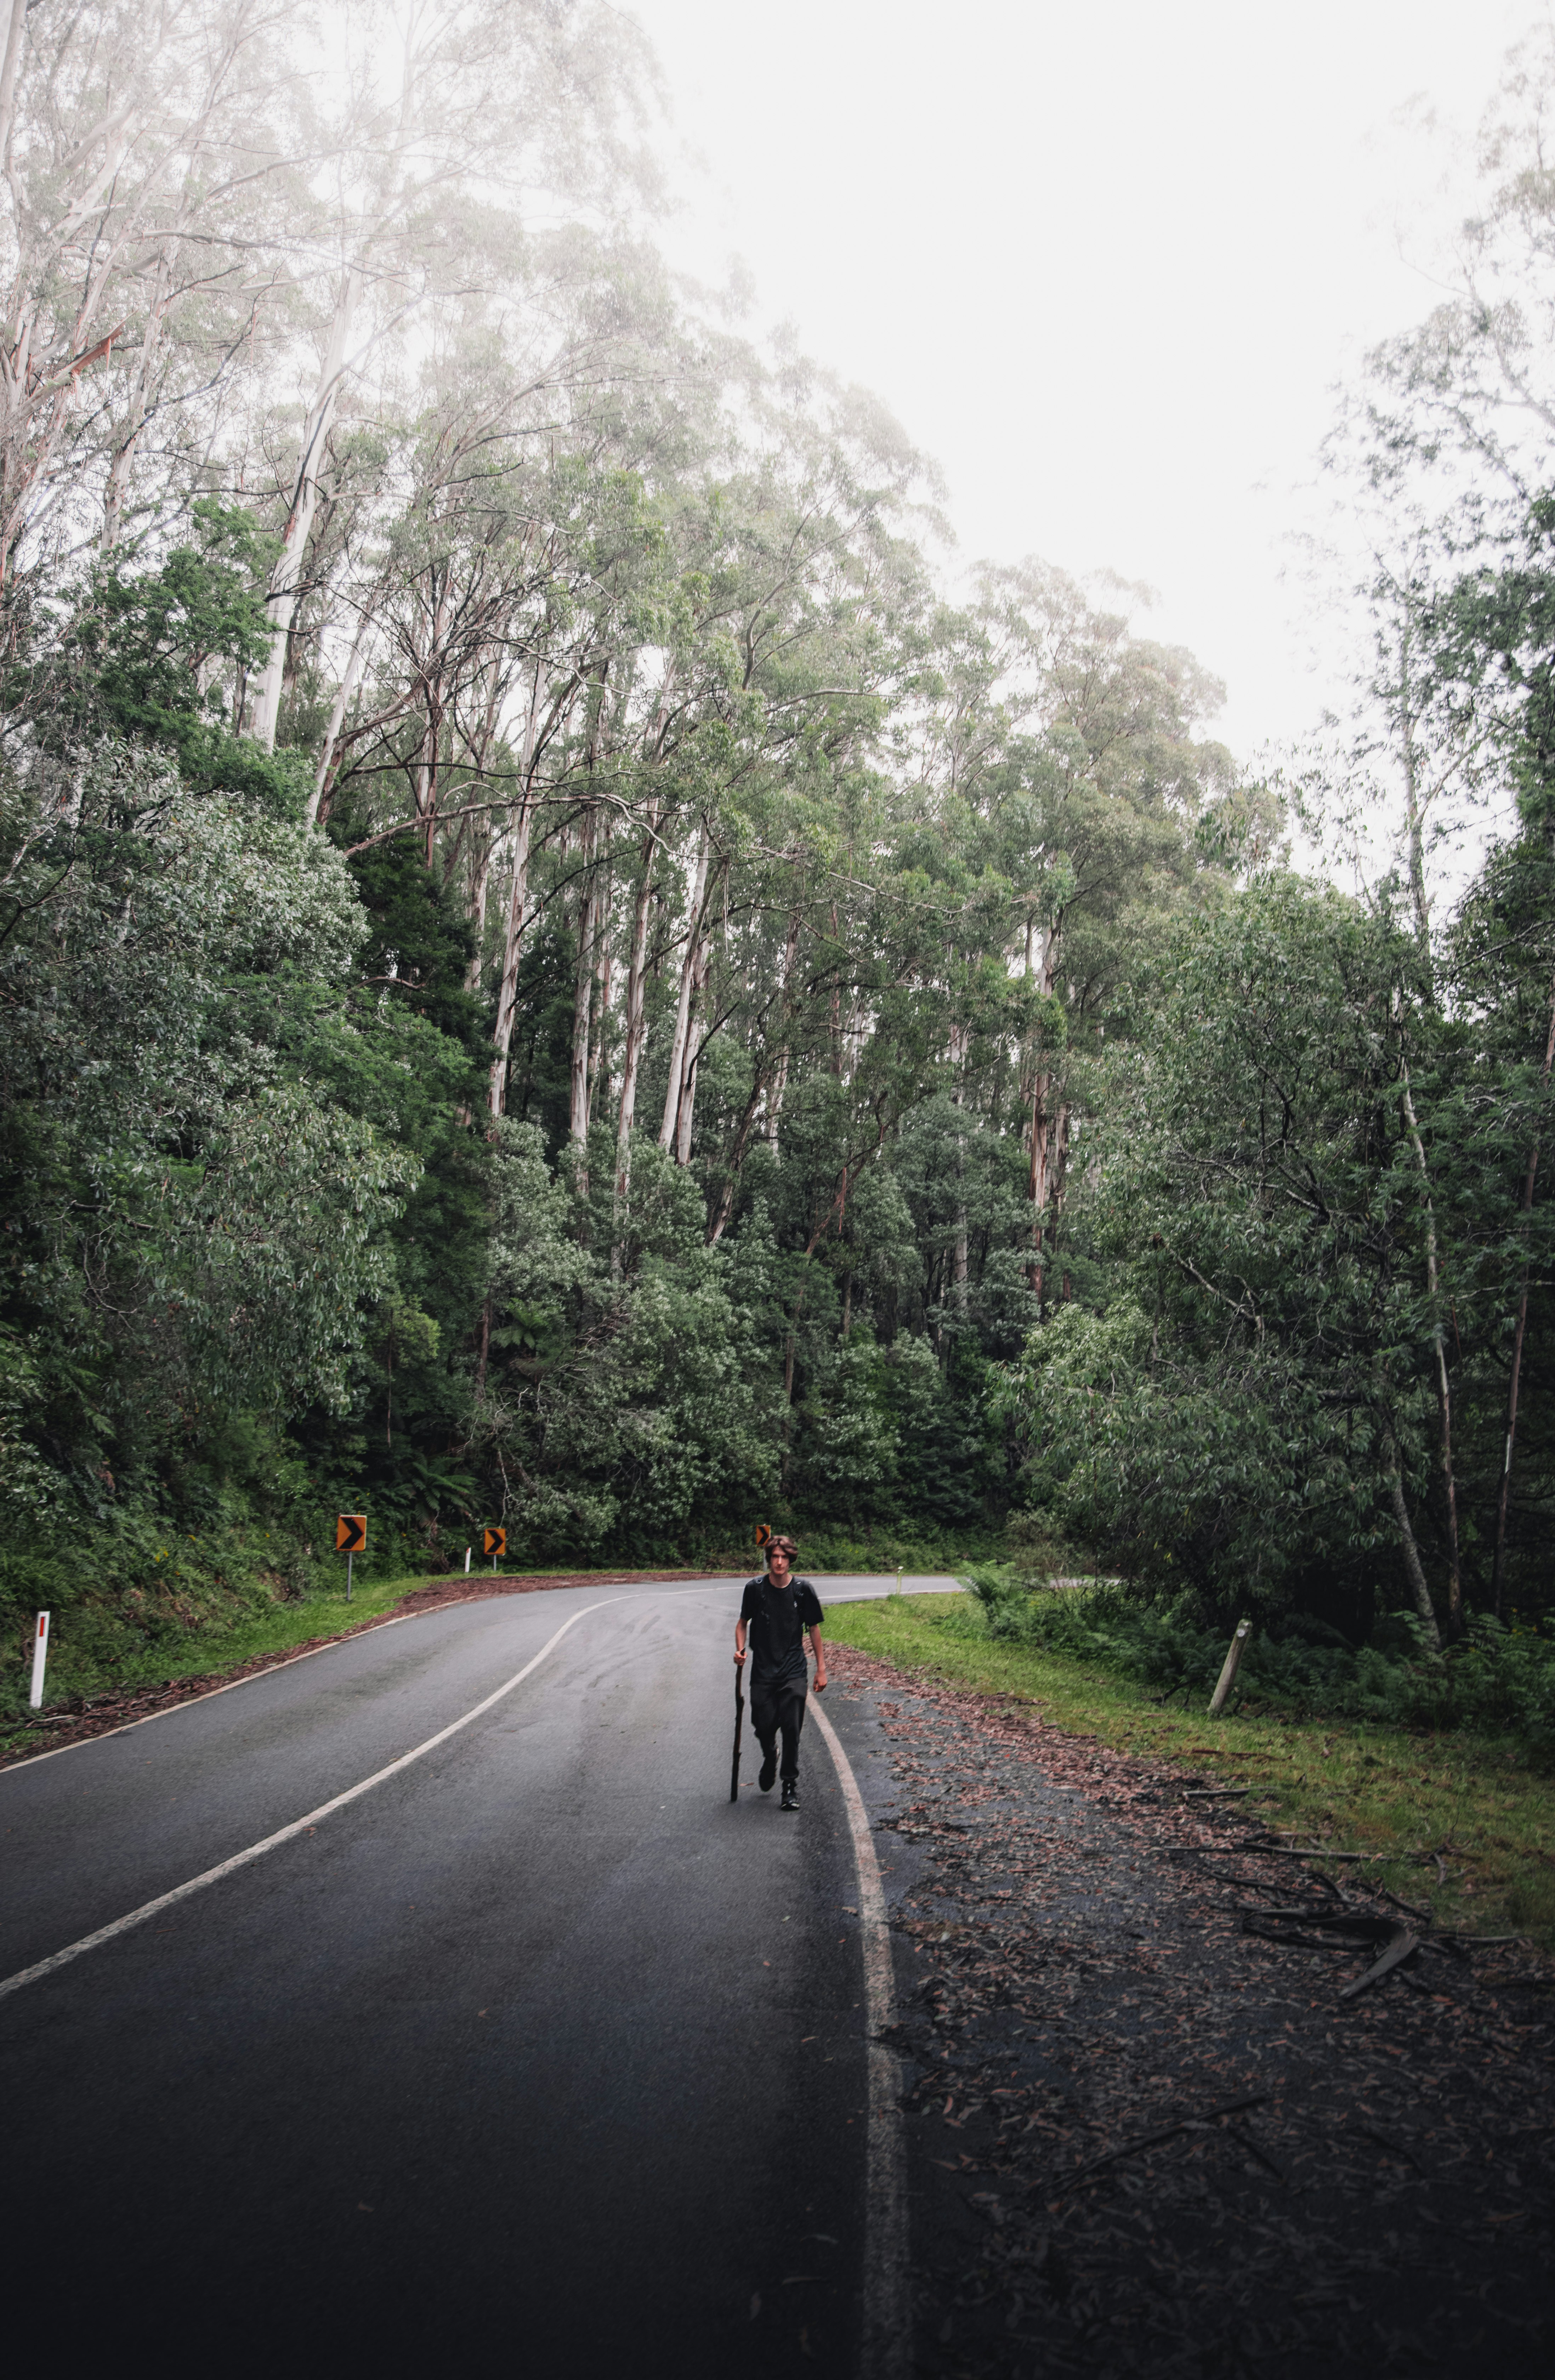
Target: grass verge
72, 1684
1462, 1825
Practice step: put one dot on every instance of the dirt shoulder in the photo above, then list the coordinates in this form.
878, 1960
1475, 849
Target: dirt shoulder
104, 1714
1152, 2125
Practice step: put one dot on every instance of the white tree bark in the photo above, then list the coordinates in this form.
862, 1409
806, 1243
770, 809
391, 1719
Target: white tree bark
589, 929
341, 705
493, 855
688, 1073
508, 990
780, 1078
1443, 1382
687, 980
636, 1019
1412, 1562
285, 582
15, 30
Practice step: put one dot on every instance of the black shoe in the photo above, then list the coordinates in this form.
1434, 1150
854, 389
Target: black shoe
767, 1772
790, 1792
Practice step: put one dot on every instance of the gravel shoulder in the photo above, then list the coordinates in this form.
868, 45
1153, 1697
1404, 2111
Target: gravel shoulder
1148, 2129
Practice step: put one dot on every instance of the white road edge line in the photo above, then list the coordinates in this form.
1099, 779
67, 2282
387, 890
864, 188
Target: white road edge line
887, 2341
299, 1826
33, 1759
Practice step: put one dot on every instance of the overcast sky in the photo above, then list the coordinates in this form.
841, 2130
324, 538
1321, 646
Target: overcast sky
1105, 260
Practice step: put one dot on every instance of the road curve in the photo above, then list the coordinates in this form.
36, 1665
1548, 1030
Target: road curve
539, 2050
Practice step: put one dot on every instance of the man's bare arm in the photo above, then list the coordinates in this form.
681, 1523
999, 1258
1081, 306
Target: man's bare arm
739, 1642
818, 1649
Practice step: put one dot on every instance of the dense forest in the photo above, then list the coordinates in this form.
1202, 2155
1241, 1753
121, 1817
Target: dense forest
564, 961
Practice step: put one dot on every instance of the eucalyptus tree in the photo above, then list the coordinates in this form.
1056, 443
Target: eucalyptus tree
1474, 383
148, 158
446, 120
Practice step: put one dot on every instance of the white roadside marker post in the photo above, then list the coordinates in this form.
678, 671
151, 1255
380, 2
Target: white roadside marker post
40, 1659
1232, 1662
468, 1550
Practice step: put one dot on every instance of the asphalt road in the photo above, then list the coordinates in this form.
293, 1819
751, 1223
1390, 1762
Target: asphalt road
540, 2054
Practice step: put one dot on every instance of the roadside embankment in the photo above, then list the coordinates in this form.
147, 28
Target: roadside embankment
1462, 1824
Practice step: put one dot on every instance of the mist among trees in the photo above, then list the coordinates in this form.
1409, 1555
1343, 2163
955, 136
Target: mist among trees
563, 962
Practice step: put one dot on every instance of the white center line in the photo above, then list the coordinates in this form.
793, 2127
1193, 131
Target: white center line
285, 1834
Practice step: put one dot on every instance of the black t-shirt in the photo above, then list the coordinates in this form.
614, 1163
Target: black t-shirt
775, 1619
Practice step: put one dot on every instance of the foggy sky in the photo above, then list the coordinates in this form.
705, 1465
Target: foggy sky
1106, 262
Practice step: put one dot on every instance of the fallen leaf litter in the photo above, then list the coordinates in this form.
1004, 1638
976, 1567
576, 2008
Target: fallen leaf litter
1147, 2132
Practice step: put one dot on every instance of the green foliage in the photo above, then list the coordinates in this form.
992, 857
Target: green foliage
1231, 1417
152, 655
1497, 1681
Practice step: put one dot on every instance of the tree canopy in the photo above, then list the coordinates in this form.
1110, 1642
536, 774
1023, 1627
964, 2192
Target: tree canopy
558, 967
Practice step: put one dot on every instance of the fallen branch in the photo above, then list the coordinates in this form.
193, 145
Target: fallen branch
1392, 1931
1279, 1850
1168, 2132
1398, 1949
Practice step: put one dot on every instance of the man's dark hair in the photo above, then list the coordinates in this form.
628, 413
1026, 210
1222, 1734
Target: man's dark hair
786, 1544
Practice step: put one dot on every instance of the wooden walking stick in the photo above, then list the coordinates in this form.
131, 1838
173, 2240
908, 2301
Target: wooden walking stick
739, 1722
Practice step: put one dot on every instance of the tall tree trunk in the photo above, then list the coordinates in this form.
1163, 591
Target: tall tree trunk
590, 930
693, 1055
491, 854
959, 1262
598, 1064
1443, 1384
780, 1078
15, 30
1412, 1562
1037, 1185
688, 978
1415, 805
1504, 1492
1041, 1083
583, 979
120, 469
507, 989
834, 1021
1058, 1171
323, 780
636, 1023
286, 581
725, 1206
518, 904
490, 847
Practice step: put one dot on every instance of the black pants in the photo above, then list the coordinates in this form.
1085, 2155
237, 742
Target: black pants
778, 1703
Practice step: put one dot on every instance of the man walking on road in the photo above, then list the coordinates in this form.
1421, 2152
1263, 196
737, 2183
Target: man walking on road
775, 1615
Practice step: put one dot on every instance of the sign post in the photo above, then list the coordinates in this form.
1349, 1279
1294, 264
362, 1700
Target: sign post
39, 1658
493, 1542
350, 1539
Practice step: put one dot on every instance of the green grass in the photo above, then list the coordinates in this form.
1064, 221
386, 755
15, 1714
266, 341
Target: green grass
1481, 1801
210, 1650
